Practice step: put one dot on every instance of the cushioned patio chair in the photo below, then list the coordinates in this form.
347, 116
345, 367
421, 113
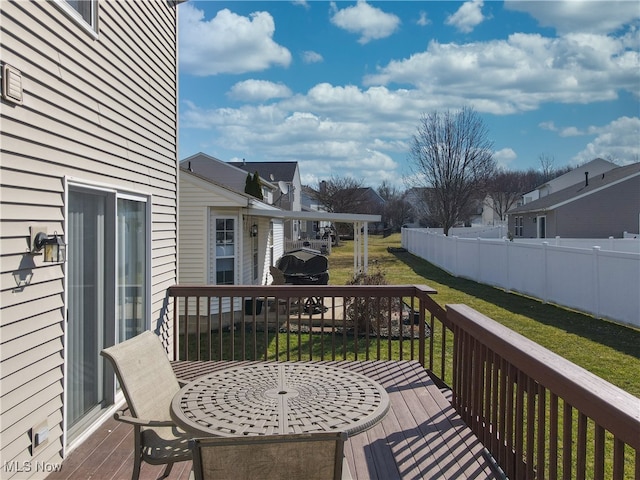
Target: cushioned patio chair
147, 380
300, 456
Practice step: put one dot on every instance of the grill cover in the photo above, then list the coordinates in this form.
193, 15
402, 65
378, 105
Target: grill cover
304, 267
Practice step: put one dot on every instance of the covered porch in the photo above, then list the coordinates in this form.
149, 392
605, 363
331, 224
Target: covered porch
360, 228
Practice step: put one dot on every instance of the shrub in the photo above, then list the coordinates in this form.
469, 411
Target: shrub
369, 312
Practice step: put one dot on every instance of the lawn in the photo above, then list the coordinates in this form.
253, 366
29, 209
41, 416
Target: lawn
607, 349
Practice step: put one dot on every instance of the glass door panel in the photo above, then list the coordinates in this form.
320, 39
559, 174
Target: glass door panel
131, 267
87, 278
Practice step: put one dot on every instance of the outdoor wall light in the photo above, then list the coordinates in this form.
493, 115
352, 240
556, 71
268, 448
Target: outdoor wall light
254, 230
55, 250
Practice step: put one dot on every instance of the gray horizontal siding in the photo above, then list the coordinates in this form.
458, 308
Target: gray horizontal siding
96, 110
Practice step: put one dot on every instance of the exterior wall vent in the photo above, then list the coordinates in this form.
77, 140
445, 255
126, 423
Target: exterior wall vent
11, 84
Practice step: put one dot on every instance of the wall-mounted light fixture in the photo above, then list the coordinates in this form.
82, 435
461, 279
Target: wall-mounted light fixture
55, 250
254, 230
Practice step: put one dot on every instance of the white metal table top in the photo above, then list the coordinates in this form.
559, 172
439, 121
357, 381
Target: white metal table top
277, 398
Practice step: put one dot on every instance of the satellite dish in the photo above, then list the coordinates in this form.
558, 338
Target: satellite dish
284, 188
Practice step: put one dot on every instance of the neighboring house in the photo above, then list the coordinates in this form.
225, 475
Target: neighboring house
89, 152
214, 207
371, 203
595, 167
221, 242
599, 206
286, 175
419, 209
234, 178
313, 229
489, 214
422, 202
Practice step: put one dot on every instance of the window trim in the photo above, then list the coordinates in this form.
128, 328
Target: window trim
213, 272
74, 15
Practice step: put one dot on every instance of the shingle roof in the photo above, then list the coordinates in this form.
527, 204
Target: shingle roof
270, 171
580, 189
215, 171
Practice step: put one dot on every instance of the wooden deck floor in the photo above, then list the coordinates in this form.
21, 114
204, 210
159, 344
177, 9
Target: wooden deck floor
420, 438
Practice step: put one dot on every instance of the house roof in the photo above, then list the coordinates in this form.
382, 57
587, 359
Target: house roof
580, 190
270, 171
597, 165
227, 176
221, 173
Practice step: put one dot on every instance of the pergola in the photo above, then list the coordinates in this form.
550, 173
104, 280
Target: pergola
360, 228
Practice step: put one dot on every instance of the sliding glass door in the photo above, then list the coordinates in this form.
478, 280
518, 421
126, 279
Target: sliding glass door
108, 293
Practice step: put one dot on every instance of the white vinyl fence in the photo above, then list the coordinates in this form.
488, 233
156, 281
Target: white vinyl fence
594, 279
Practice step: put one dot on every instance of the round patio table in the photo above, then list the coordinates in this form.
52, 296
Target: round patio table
278, 398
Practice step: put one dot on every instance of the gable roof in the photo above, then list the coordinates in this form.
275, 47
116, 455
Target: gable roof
370, 195
270, 171
596, 166
223, 174
580, 190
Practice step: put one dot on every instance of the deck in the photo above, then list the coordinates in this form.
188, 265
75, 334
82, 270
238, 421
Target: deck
421, 436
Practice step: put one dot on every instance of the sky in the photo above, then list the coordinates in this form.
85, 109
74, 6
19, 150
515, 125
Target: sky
341, 87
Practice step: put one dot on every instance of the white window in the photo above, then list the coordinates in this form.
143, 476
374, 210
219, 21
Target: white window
225, 251
519, 224
85, 12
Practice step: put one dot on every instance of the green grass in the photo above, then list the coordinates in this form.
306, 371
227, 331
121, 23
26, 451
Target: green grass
607, 349
301, 347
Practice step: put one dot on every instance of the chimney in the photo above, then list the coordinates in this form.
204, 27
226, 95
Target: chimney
586, 179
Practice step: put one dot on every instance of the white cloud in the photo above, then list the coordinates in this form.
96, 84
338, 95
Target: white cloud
618, 140
519, 73
258, 90
228, 43
504, 157
311, 57
361, 130
423, 20
571, 132
549, 125
369, 22
468, 16
598, 17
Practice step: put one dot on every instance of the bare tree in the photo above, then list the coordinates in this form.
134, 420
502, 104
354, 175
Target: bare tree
547, 166
341, 195
451, 154
387, 191
396, 210
504, 191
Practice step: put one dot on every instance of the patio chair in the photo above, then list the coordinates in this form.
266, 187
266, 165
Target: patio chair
147, 380
299, 456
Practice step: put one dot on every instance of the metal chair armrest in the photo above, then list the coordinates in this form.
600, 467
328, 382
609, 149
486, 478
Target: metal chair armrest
121, 416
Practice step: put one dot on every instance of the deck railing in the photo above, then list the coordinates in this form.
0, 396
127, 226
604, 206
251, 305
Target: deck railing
306, 322
539, 415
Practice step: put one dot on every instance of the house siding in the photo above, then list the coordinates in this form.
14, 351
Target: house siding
97, 110
601, 214
196, 202
611, 212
